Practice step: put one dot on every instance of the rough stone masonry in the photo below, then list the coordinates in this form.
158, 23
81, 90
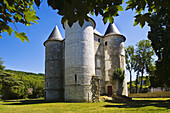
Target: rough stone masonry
70, 63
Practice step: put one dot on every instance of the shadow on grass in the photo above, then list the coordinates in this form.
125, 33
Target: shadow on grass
141, 103
26, 102
34, 101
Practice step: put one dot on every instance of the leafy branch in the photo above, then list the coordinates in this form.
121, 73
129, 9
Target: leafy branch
16, 11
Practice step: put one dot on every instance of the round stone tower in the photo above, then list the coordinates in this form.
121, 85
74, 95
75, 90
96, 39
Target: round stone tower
79, 61
114, 57
54, 79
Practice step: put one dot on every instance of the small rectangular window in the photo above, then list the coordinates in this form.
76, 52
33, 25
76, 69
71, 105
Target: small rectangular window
99, 40
75, 78
106, 43
47, 84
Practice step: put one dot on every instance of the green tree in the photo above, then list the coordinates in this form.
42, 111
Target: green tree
130, 62
118, 77
143, 57
16, 11
2, 67
160, 38
77, 10
12, 88
118, 74
145, 8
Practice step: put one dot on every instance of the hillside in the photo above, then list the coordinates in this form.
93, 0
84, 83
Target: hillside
19, 84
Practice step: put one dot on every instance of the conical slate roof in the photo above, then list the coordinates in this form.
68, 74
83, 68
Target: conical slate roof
112, 29
55, 35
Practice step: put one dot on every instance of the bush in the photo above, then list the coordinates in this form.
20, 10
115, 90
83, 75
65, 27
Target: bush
12, 88
118, 74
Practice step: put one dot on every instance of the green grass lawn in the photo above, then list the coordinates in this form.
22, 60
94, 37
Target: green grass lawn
138, 105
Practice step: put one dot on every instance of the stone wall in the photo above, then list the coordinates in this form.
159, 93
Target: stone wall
63, 66
99, 61
79, 62
114, 57
53, 71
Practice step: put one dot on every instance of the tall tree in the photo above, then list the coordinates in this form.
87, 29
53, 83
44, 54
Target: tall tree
137, 82
137, 69
160, 38
130, 62
144, 53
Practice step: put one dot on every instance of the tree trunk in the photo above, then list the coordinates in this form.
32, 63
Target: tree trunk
130, 82
137, 83
141, 82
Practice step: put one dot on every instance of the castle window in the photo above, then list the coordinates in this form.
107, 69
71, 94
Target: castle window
97, 72
75, 78
99, 40
47, 84
98, 63
106, 43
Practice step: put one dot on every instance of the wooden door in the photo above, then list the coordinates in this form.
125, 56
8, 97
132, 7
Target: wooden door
109, 89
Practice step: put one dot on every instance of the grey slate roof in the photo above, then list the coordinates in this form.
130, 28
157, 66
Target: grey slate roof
112, 29
55, 34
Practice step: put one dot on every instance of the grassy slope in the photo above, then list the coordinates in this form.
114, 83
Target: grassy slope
146, 105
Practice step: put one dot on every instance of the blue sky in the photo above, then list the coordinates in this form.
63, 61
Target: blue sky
30, 57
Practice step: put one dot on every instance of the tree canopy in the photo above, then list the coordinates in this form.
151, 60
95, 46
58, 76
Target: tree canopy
160, 38
77, 10
143, 57
21, 11
140, 59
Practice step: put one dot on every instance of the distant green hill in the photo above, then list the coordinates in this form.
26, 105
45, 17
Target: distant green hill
19, 84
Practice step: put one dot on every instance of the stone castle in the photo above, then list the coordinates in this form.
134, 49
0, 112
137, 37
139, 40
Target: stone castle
70, 63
